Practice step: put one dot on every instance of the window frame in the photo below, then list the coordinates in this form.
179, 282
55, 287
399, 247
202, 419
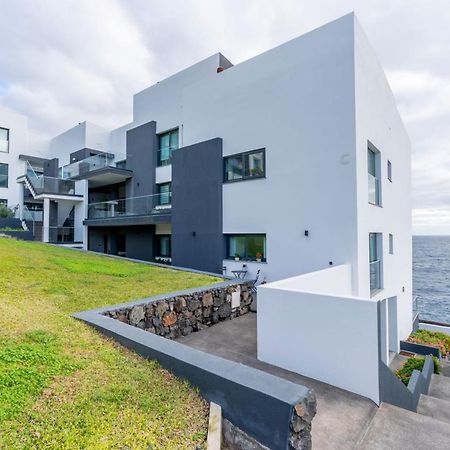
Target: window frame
377, 174
159, 238
391, 244
389, 170
243, 155
8, 134
242, 257
169, 193
168, 161
7, 176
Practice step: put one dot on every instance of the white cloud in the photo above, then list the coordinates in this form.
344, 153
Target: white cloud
66, 61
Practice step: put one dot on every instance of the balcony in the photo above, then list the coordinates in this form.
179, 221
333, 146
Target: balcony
375, 276
102, 169
42, 185
147, 209
374, 190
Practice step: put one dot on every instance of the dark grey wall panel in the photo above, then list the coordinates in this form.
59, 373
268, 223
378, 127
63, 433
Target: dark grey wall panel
51, 168
139, 242
197, 225
142, 145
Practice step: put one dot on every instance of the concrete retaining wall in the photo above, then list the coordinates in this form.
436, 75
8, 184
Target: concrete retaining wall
274, 411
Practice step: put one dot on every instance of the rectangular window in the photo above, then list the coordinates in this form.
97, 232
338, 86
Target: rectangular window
375, 261
248, 247
389, 171
167, 143
3, 201
373, 157
391, 244
164, 245
3, 175
165, 194
4, 140
244, 166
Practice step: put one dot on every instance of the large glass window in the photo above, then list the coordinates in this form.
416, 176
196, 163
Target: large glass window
245, 165
4, 140
167, 143
3, 175
164, 191
247, 246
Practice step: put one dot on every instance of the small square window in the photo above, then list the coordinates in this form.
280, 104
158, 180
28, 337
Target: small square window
391, 244
389, 171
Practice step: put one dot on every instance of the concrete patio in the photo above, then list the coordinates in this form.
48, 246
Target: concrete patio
342, 417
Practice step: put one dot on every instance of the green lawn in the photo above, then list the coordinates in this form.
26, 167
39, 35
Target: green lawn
65, 386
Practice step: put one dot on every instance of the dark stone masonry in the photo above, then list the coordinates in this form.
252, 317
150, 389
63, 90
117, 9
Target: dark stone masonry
182, 315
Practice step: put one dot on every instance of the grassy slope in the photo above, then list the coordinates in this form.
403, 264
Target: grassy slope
64, 386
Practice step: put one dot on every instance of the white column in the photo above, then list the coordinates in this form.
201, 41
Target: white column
46, 221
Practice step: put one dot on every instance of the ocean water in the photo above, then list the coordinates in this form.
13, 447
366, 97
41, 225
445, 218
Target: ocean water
431, 276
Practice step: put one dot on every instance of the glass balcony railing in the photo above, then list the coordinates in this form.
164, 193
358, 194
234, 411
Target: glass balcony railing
85, 166
147, 205
374, 190
375, 275
49, 185
61, 234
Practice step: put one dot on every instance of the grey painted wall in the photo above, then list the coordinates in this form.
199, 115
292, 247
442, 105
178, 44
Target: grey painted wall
139, 242
197, 225
142, 145
51, 167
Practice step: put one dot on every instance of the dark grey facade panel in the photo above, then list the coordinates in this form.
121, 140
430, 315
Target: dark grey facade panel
139, 243
197, 224
51, 168
142, 146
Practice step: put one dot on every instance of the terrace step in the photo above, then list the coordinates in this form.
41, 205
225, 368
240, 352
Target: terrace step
395, 428
434, 407
440, 387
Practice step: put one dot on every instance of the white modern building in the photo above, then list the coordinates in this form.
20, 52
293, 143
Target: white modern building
292, 162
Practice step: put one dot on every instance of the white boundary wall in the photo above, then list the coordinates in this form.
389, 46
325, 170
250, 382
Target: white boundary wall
329, 337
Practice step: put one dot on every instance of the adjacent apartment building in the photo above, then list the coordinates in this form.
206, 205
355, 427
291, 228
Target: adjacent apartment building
293, 161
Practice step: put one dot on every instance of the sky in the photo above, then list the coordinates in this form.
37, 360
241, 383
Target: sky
66, 61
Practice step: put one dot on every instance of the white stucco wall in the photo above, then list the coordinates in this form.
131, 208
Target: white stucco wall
18, 144
331, 338
297, 101
378, 120
83, 135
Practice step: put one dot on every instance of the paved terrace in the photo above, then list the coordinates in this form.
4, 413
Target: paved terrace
341, 418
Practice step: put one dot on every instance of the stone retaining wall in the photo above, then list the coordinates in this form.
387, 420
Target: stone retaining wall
182, 315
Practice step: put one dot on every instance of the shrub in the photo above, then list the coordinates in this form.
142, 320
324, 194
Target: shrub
5, 212
432, 338
415, 363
